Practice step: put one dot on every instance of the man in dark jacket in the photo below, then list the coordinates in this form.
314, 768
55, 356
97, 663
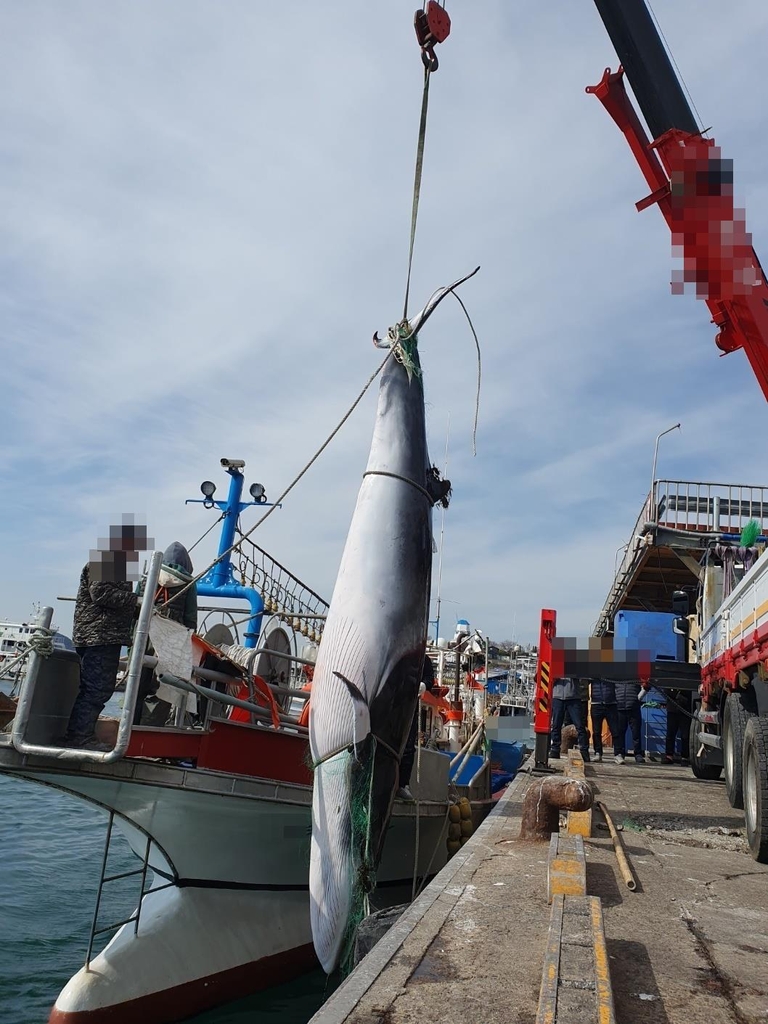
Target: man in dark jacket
104, 612
566, 696
628, 715
604, 710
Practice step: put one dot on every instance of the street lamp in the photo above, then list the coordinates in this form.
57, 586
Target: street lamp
653, 470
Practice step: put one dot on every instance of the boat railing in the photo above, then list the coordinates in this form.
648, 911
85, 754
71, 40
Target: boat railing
260, 714
285, 596
135, 665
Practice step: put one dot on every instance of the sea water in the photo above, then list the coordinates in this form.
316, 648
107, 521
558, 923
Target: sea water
51, 847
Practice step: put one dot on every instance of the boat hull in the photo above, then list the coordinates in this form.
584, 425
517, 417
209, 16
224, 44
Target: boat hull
196, 948
232, 855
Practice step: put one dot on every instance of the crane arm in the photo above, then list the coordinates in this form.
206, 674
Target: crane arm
689, 181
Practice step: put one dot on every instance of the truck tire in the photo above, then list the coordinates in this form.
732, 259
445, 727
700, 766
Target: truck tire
735, 718
699, 767
756, 786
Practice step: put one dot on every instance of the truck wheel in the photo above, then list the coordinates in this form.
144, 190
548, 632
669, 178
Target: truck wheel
735, 718
756, 786
699, 767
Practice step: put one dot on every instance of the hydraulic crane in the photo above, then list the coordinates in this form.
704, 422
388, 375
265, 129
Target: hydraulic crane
689, 181
693, 187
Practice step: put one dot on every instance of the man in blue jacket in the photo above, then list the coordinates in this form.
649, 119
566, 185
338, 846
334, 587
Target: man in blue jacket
566, 695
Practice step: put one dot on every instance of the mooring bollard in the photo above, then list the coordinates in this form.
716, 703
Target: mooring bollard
544, 801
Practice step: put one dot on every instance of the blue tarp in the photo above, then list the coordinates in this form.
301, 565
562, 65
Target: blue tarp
504, 756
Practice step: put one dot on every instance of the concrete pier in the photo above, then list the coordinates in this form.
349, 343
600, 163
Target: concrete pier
690, 944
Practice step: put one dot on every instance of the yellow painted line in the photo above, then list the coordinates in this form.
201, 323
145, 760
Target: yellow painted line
750, 620
603, 991
566, 929
580, 823
550, 975
566, 867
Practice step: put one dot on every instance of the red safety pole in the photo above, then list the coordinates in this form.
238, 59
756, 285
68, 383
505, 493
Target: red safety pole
544, 675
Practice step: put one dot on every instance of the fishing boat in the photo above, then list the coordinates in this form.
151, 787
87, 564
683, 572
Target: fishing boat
217, 805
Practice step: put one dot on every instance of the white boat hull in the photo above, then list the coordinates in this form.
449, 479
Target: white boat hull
235, 917
196, 948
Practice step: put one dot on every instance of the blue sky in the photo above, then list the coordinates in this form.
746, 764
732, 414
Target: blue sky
204, 217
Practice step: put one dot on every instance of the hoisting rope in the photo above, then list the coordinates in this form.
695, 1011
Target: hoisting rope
417, 186
196, 579
433, 26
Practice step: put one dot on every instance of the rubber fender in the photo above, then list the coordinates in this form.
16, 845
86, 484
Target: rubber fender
467, 828
454, 814
465, 809
453, 846
454, 830
464, 839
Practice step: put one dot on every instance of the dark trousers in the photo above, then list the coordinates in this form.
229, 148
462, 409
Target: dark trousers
677, 721
585, 716
98, 674
630, 717
556, 729
604, 713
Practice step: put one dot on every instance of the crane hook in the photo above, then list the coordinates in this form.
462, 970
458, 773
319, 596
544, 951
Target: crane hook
433, 25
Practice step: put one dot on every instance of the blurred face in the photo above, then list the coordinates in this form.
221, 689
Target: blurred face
116, 557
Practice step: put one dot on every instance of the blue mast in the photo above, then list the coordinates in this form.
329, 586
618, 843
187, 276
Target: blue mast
219, 581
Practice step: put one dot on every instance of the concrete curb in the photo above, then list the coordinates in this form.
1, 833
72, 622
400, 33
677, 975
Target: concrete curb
448, 884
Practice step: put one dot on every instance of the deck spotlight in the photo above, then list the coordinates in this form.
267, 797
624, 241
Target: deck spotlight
208, 487
257, 493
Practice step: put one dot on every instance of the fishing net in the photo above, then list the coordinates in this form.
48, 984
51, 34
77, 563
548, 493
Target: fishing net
407, 352
358, 772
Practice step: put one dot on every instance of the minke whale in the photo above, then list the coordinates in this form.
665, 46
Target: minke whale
366, 679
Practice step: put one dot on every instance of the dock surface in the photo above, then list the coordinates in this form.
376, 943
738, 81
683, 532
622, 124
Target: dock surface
690, 944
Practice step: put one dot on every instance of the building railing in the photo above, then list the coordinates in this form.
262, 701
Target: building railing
689, 506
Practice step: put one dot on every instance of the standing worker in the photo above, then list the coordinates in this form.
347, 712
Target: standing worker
629, 715
604, 710
566, 696
104, 613
678, 721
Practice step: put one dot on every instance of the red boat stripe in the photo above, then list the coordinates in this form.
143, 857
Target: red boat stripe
200, 994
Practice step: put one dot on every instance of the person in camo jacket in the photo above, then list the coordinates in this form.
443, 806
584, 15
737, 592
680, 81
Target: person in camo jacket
105, 609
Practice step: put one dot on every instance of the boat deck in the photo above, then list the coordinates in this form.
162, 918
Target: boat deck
690, 944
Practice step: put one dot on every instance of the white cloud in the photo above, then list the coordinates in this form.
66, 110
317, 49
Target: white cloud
205, 216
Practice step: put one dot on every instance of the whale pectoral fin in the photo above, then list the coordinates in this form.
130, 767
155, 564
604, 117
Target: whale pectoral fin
355, 693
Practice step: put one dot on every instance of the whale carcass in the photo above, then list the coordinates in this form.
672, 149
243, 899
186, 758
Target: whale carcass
365, 685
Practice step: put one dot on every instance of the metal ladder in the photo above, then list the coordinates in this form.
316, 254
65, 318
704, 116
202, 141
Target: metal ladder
104, 878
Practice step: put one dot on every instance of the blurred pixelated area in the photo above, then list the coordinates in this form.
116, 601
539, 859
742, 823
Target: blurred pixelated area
596, 651
709, 233
116, 556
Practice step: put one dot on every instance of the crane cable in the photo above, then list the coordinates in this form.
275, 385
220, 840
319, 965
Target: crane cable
432, 25
417, 184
